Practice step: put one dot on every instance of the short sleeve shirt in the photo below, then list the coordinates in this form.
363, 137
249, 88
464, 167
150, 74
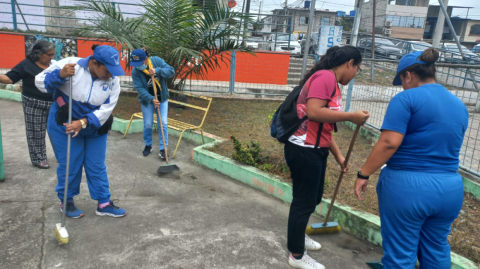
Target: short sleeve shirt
26, 71
321, 85
433, 122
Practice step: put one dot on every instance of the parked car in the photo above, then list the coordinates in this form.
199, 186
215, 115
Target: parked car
252, 42
384, 48
412, 46
281, 44
314, 39
476, 49
451, 54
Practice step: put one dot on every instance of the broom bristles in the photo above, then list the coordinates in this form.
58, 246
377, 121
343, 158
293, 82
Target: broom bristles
330, 228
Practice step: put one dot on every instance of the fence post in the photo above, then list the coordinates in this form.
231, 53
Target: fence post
349, 95
2, 166
233, 64
14, 16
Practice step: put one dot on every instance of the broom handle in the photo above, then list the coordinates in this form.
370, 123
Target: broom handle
160, 116
341, 174
69, 143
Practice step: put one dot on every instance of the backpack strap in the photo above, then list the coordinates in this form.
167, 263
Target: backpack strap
320, 126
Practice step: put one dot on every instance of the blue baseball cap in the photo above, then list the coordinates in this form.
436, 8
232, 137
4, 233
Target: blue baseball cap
407, 61
138, 57
109, 57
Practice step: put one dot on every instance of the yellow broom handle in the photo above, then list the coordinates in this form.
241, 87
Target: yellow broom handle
160, 116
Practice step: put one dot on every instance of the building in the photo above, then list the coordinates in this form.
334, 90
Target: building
299, 20
462, 26
404, 19
472, 32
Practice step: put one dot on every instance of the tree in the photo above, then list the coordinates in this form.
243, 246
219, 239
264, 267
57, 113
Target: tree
347, 23
192, 39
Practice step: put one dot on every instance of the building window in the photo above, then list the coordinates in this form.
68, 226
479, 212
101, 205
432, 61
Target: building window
406, 21
475, 30
325, 21
303, 20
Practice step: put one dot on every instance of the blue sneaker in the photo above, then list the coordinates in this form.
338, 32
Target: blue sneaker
72, 211
111, 210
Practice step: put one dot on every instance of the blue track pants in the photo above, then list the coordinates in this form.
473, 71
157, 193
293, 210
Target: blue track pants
416, 212
88, 150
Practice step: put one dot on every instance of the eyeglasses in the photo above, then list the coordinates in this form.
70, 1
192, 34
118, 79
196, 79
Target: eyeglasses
359, 70
50, 54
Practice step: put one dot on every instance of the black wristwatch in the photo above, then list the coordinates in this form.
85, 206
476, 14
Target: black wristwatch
361, 176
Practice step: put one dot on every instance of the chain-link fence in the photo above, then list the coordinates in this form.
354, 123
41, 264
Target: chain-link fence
375, 95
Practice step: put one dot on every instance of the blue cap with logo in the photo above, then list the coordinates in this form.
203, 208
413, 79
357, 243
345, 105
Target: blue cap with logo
109, 57
138, 57
407, 61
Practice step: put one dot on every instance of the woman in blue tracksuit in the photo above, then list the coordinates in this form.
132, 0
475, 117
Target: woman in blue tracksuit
420, 192
95, 93
144, 68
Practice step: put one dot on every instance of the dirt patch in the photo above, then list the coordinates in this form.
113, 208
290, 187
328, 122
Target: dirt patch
248, 120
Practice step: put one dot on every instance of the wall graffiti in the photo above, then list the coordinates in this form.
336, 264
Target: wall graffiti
64, 47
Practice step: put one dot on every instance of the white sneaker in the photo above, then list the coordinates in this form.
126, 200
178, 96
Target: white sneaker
305, 263
310, 244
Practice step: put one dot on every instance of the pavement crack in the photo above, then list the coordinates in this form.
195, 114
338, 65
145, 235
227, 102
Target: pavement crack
42, 246
134, 185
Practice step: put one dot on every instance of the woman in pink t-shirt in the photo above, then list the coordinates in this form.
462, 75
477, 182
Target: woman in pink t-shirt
307, 150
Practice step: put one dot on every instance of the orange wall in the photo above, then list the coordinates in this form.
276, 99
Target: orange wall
263, 68
12, 50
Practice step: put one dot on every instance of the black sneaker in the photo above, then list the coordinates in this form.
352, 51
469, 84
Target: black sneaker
161, 154
147, 150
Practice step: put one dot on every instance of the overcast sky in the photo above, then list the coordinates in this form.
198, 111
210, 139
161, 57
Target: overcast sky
347, 5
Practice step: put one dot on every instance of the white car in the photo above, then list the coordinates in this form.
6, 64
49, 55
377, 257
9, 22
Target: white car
451, 54
476, 49
281, 44
252, 42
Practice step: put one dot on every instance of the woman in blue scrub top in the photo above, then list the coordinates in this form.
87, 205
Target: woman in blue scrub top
420, 192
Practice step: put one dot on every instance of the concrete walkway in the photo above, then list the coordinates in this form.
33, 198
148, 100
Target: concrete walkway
196, 218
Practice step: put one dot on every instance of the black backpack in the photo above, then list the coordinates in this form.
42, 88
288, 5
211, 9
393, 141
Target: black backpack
285, 121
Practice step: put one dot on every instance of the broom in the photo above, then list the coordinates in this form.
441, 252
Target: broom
167, 168
61, 233
333, 227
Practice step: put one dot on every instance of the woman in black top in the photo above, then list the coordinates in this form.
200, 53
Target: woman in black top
35, 103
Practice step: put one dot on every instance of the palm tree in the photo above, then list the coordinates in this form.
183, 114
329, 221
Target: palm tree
192, 39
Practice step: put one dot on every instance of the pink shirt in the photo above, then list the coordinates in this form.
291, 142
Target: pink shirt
321, 85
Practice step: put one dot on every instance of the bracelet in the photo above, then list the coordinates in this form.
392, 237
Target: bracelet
361, 176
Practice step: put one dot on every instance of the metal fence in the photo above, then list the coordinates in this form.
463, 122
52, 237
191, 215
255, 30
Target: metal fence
273, 74
374, 97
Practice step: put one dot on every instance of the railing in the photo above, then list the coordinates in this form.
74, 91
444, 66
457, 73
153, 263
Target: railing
273, 74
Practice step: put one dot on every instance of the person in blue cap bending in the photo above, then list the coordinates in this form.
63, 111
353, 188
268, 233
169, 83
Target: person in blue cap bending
420, 192
95, 92
144, 68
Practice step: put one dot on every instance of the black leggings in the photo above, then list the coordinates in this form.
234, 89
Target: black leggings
307, 166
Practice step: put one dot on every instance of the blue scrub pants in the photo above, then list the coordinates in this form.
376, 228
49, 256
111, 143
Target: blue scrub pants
416, 212
148, 112
88, 150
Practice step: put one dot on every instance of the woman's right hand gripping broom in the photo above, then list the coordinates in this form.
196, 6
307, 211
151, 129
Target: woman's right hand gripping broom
359, 117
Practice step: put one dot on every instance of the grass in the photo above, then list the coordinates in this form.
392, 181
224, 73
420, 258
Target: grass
248, 121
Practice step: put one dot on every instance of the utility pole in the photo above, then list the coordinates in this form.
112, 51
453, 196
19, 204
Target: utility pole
373, 36
286, 19
443, 8
356, 23
438, 34
307, 44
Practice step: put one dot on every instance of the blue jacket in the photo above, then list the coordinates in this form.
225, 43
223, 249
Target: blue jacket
93, 99
164, 72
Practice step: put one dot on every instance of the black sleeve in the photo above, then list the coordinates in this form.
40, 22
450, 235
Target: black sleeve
17, 73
